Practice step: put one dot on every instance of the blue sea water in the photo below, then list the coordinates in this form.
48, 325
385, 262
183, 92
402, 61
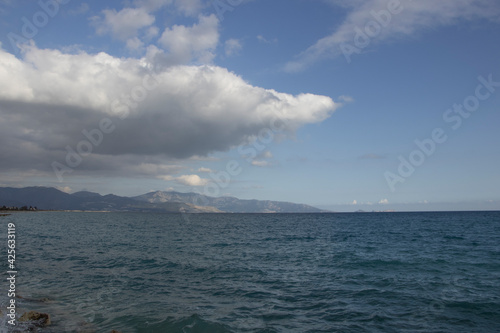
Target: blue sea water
357, 272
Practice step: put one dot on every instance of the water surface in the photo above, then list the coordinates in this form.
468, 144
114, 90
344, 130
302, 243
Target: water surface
373, 272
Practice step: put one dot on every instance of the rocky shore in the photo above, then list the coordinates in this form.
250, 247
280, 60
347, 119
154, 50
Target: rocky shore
33, 320
36, 321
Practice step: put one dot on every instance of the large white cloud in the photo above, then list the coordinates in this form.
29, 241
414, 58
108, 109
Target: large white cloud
47, 98
411, 17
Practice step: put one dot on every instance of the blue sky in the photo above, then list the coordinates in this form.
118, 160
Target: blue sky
344, 105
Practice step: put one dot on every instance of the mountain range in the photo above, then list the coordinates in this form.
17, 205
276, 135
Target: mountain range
49, 198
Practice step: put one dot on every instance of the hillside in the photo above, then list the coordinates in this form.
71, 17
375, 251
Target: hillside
48, 198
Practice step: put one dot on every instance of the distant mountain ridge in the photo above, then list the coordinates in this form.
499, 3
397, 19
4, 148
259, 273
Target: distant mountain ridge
49, 198
227, 204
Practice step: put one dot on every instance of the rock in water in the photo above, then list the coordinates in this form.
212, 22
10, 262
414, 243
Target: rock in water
39, 319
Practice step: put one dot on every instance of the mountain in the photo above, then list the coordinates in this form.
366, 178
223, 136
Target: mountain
227, 204
41, 197
49, 198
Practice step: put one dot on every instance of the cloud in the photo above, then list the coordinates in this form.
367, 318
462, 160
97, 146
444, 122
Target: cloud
204, 158
126, 23
134, 44
82, 9
186, 7
383, 202
197, 42
49, 98
151, 167
123, 24
266, 154
232, 47
410, 18
65, 189
354, 202
152, 5
205, 170
188, 180
151, 33
260, 163
262, 39
189, 7
260, 159
346, 99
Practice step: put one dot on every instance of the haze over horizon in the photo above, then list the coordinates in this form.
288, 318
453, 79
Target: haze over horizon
342, 105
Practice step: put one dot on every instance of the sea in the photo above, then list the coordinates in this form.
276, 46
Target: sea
332, 272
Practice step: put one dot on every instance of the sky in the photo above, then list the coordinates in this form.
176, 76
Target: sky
343, 105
